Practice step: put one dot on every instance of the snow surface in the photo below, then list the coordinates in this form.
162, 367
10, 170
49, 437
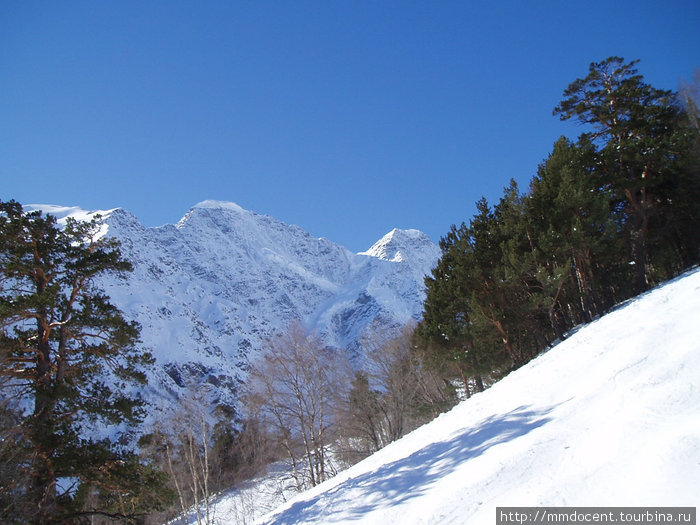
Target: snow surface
609, 417
74, 212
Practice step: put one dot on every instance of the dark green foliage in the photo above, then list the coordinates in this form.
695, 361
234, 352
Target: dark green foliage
604, 218
464, 308
68, 360
575, 237
644, 156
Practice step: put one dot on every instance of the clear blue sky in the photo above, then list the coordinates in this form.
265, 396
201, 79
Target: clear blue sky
347, 118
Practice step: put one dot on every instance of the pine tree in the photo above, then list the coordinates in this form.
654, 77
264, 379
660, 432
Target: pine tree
466, 299
68, 362
641, 145
576, 236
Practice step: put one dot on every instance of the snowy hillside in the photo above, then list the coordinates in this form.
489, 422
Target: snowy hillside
209, 290
609, 417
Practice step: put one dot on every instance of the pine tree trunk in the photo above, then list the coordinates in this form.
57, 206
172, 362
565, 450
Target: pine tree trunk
640, 220
506, 341
554, 319
44, 476
639, 256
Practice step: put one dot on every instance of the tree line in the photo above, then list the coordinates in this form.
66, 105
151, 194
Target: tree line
605, 217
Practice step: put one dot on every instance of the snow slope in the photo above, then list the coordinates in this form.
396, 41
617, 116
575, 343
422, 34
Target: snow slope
609, 417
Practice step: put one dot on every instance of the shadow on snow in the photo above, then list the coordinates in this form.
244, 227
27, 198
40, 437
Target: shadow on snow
410, 477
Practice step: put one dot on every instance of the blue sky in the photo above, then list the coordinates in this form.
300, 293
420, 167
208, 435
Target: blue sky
347, 118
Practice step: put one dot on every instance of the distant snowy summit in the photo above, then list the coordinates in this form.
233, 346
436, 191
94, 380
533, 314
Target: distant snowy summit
220, 205
210, 290
411, 246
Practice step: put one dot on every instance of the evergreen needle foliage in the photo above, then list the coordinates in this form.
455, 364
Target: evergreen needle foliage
68, 362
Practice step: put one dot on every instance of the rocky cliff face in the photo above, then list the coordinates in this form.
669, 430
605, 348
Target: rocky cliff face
211, 289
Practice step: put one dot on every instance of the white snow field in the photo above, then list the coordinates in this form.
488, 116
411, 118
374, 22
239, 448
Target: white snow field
609, 417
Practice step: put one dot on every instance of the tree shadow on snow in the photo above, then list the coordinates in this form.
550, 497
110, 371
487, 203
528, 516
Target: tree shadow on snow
410, 477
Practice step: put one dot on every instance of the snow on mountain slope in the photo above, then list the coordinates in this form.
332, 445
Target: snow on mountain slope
209, 290
609, 417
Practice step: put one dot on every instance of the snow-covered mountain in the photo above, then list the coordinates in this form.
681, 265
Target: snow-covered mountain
609, 417
209, 290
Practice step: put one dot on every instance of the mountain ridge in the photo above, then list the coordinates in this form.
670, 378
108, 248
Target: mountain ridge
209, 290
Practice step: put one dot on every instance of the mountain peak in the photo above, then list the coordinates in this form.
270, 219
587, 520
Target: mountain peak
219, 205
216, 210
399, 245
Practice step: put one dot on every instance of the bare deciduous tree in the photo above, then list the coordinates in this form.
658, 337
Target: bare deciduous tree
182, 446
391, 396
294, 388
